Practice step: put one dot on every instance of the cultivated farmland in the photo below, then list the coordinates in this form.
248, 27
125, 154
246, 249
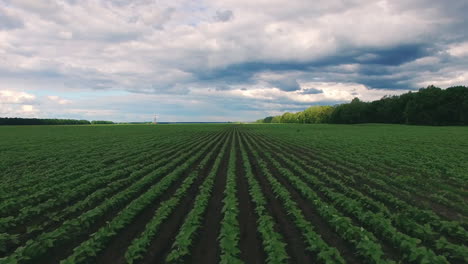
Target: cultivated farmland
234, 194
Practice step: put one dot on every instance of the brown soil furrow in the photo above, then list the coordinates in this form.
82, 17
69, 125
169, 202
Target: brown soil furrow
250, 245
205, 247
115, 251
58, 253
415, 199
323, 228
161, 245
296, 248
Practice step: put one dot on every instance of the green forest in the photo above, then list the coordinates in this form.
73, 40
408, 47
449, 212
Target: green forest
427, 106
16, 121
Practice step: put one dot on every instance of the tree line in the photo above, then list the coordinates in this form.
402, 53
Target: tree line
427, 106
101, 122
16, 121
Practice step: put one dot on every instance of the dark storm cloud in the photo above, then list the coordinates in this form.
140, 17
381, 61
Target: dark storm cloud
395, 55
224, 16
286, 84
312, 91
373, 62
385, 83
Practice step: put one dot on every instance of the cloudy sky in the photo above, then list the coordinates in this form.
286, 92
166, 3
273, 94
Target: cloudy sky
222, 60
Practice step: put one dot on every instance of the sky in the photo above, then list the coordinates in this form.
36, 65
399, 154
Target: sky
223, 60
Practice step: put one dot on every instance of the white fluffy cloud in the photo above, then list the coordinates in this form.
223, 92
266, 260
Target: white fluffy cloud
248, 50
459, 49
14, 97
16, 103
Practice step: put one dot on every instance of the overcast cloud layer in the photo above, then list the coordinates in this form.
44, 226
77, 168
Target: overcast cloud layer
221, 60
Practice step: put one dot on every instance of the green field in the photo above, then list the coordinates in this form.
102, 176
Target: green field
233, 193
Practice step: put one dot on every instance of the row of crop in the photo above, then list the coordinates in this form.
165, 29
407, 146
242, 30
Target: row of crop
315, 244
48, 190
230, 233
31, 193
89, 184
430, 188
451, 228
273, 242
112, 186
430, 172
89, 249
183, 241
412, 249
67, 182
33, 163
46, 163
84, 158
30, 214
44, 173
409, 225
393, 156
138, 247
377, 222
72, 228
57, 179
94, 153
349, 155
362, 206
366, 245
430, 168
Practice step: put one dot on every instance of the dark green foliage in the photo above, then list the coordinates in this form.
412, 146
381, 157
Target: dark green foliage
265, 120
312, 115
428, 106
15, 121
69, 194
101, 122
355, 112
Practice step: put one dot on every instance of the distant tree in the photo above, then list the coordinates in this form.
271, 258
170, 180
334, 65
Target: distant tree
428, 106
288, 118
317, 114
267, 119
276, 119
355, 112
101, 122
300, 117
36, 121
